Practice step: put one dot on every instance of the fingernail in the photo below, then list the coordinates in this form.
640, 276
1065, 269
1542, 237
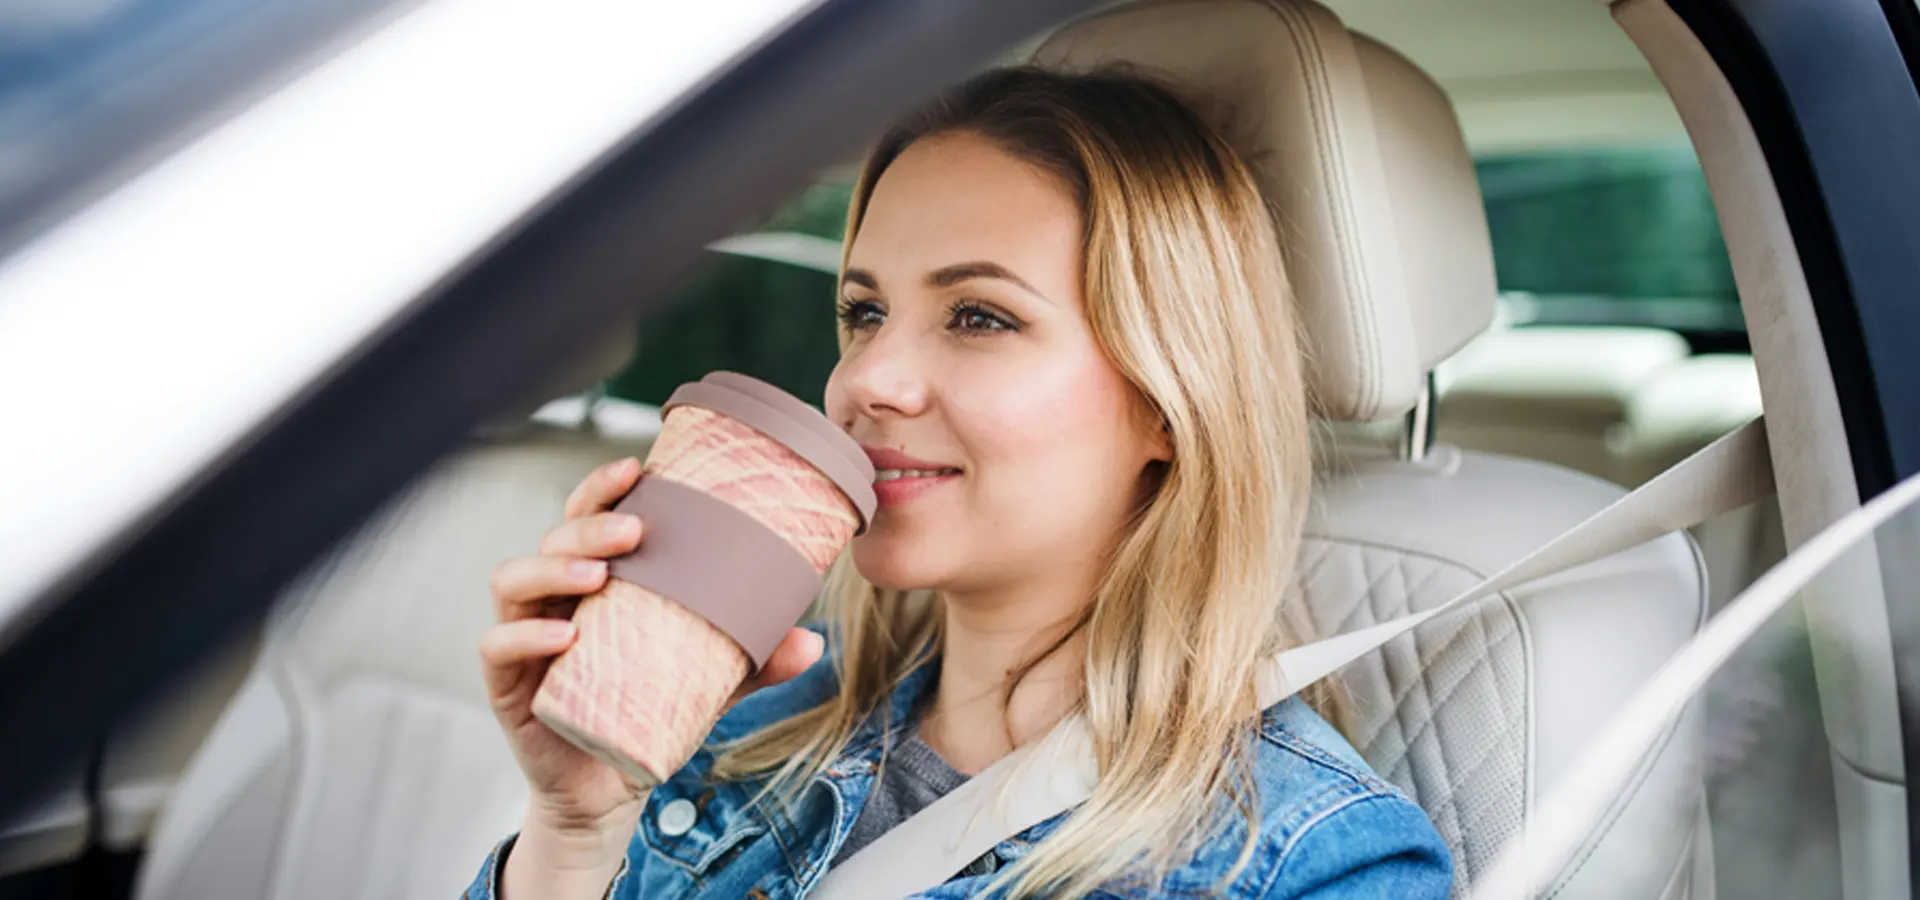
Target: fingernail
586, 568
559, 631
626, 528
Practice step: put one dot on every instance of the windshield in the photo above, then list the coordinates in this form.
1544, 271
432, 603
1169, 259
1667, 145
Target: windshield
1770, 750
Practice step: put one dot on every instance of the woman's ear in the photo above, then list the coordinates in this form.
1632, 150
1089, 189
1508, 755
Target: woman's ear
1155, 433
1160, 448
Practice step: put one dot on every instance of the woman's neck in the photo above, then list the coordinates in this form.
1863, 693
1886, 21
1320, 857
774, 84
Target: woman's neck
971, 723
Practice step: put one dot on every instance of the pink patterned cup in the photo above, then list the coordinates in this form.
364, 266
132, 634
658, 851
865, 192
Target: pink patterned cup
747, 496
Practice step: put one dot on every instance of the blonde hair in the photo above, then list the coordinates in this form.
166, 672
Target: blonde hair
1186, 295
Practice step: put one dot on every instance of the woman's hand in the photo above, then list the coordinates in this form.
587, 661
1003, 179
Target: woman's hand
574, 794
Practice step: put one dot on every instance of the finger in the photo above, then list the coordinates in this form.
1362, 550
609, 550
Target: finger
506, 647
558, 607
603, 487
797, 652
519, 585
598, 536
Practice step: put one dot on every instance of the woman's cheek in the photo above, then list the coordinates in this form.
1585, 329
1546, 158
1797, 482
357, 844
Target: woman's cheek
1048, 446
1019, 406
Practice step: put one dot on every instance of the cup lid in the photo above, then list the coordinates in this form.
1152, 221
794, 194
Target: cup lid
790, 421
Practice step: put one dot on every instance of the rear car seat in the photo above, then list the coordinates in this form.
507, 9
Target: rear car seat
1557, 394
1481, 712
1684, 407
1624, 404
360, 758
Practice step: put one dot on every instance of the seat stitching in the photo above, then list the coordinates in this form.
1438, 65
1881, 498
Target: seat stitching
1444, 648
1493, 748
1445, 765
1315, 561
1312, 573
1308, 578
1411, 679
1320, 103
1374, 581
1362, 602
1616, 811
1481, 671
1398, 691
1452, 687
1480, 762
1410, 737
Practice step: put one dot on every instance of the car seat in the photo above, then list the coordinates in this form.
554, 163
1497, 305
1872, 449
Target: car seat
360, 758
1477, 714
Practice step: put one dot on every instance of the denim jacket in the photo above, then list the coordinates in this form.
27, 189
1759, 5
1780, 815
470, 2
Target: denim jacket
1330, 829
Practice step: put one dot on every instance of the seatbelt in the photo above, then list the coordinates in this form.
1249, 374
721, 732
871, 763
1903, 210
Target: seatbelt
1058, 772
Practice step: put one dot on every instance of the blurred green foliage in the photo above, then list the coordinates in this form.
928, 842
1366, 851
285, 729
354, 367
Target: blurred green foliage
1619, 223
766, 319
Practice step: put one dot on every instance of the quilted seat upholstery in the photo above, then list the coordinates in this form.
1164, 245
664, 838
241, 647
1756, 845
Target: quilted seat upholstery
1478, 713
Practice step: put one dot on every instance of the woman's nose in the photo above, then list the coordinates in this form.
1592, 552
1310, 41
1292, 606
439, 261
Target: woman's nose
877, 378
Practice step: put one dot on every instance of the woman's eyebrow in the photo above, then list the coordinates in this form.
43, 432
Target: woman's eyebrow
967, 271
860, 277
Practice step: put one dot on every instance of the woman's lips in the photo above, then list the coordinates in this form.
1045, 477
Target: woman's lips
899, 478
895, 491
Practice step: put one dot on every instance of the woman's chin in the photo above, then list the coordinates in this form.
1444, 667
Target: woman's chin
889, 565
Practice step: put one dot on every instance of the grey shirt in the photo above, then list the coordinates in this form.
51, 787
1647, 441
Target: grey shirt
911, 778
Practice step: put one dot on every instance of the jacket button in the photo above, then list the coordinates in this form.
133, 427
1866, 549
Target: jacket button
677, 818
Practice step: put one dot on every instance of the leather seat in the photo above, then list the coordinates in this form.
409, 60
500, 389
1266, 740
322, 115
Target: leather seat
360, 758
1558, 394
1480, 713
1624, 404
1682, 408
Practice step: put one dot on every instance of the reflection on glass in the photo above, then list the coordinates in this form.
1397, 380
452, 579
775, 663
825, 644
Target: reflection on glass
1746, 683
92, 89
1769, 776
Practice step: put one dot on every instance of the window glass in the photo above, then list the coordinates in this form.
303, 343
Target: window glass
767, 319
1769, 775
1610, 236
1768, 769
91, 89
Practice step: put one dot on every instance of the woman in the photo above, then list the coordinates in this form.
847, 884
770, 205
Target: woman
1068, 346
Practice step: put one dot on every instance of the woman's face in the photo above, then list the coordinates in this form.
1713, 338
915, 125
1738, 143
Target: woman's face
1008, 447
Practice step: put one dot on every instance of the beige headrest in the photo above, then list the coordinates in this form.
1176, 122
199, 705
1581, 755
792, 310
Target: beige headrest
1361, 158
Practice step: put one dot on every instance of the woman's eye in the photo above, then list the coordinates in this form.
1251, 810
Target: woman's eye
860, 315
976, 319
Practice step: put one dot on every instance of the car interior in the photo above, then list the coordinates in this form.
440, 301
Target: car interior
346, 750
